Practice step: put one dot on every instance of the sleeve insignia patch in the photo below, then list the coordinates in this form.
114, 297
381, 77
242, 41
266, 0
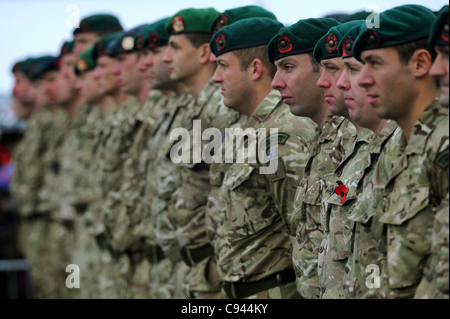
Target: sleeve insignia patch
443, 159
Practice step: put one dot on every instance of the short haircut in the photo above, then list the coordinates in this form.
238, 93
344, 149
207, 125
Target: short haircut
198, 39
406, 51
246, 57
315, 65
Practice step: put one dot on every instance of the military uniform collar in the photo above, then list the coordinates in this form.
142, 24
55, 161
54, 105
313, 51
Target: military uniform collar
330, 127
428, 121
265, 108
385, 133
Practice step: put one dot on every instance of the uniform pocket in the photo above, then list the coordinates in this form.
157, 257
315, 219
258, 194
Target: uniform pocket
407, 221
249, 208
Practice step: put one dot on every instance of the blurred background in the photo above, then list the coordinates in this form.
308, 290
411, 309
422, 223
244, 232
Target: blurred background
31, 28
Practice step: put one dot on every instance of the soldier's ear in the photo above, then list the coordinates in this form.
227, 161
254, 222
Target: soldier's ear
421, 62
256, 69
204, 53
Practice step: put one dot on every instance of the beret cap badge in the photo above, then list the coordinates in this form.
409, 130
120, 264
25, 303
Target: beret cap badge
373, 38
17, 67
222, 21
154, 40
128, 43
84, 26
178, 24
100, 48
82, 65
445, 30
331, 42
347, 47
139, 42
221, 42
284, 44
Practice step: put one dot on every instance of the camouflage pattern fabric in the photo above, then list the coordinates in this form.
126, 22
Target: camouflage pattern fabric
434, 284
187, 211
417, 185
337, 136
336, 227
253, 236
361, 248
167, 276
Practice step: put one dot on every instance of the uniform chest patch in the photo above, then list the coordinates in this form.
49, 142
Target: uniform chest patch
442, 159
271, 141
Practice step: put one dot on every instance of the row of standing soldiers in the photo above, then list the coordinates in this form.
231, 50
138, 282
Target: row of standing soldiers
357, 206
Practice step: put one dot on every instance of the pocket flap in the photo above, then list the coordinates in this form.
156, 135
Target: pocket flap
407, 206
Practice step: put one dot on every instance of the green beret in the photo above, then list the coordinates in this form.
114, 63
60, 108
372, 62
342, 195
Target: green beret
152, 36
41, 65
230, 16
328, 46
400, 25
124, 42
299, 38
67, 48
439, 33
347, 41
21, 66
191, 21
99, 23
85, 62
101, 45
244, 34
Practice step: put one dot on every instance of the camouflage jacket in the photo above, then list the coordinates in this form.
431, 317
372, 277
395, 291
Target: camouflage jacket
360, 246
161, 179
417, 184
253, 237
84, 153
337, 136
188, 204
28, 165
217, 172
48, 193
333, 215
126, 204
434, 284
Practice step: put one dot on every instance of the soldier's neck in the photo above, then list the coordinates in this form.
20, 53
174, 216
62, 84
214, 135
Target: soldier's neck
143, 93
105, 104
320, 117
119, 97
75, 107
196, 83
425, 97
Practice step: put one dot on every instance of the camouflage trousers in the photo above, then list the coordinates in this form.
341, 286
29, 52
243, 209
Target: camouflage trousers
167, 280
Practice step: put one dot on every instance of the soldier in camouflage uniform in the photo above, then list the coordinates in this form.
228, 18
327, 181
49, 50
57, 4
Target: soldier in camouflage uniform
61, 235
292, 51
119, 207
333, 214
257, 203
190, 32
220, 167
110, 144
354, 173
416, 182
27, 179
434, 283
